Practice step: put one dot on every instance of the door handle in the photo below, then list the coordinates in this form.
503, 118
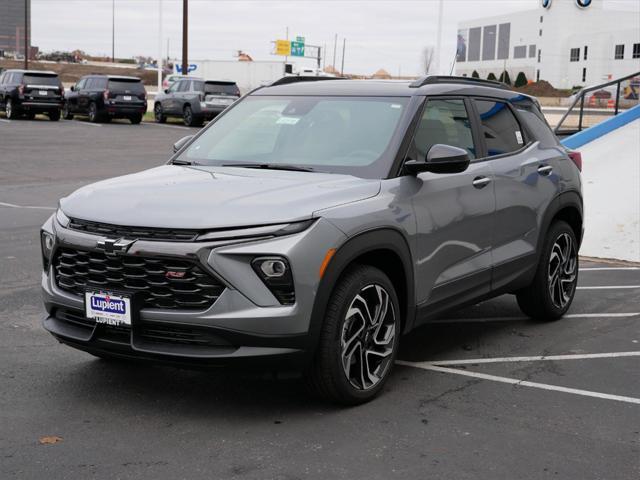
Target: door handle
481, 182
545, 169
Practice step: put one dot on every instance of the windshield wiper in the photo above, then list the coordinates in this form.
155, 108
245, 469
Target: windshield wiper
270, 166
177, 161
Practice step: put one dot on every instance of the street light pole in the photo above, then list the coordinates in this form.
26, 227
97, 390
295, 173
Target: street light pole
26, 34
113, 31
344, 46
159, 45
185, 37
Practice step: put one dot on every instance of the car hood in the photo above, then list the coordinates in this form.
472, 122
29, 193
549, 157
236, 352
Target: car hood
199, 197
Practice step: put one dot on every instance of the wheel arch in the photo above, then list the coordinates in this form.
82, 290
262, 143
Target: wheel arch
386, 249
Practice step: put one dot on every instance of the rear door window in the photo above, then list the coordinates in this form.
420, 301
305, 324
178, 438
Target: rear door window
183, 86
446, 122
499, 127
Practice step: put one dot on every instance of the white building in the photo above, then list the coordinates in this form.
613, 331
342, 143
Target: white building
565, 42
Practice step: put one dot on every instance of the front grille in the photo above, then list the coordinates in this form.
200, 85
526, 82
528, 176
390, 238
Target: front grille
145, 233
189, 287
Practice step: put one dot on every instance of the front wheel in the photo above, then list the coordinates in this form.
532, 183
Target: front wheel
550, 294
359, 339
93, 113
10, 110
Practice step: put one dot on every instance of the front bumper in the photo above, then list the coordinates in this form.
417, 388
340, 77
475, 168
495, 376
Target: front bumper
245, 325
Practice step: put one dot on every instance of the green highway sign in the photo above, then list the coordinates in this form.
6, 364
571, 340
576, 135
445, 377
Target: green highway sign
297, 49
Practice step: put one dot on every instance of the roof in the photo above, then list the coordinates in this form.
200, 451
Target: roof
113, 77
387, 88
20, 70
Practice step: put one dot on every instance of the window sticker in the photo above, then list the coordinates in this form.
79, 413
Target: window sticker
519, 137
288, 120
396, 105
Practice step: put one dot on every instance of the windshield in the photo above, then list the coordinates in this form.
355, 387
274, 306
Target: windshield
221, 88
328, 134
134, 86
35, 79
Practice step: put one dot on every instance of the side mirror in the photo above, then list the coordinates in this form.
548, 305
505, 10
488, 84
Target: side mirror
440, 159
73, 88
181, 143
166, 90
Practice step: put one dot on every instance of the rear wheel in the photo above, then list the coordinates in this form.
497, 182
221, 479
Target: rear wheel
359, 338
135, 119
30, 116
93, 113
54, 116
65, 112
550, 294
10, 110
190, 119
158, 114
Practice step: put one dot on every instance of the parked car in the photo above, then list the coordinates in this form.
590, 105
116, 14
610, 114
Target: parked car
28, 92
103, 97
195, 100
171, 79
314, 223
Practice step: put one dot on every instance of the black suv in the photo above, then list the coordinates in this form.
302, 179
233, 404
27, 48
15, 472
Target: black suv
27, 92
103, 97
195, 100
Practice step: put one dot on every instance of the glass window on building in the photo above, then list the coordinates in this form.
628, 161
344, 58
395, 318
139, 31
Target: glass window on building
636, 50
584, 74
619, 55
539, 55
575, 55
586, 51
520, 51
532, 51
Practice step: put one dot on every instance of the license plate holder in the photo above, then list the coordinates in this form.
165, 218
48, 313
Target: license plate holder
127, 98
108, 308
43, 93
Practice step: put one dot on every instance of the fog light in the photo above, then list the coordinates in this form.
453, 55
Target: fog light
47, 243
276, 275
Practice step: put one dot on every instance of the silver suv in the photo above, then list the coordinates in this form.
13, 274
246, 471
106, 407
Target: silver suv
312, 224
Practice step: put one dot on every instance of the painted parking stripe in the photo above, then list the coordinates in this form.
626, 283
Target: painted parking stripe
609, 287
524, 383
88, 123
537, 358
602, 269
4, 120
11, 205
522, 318
148, 124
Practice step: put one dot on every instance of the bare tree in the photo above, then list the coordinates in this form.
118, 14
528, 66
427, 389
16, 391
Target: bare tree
427, 58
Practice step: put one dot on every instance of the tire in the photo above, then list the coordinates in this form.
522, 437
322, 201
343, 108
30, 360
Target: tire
190, 119
65, 112
336, 372
10, 110
94, 117
54, 116
158, 114
135, 119
550, 294
30, 116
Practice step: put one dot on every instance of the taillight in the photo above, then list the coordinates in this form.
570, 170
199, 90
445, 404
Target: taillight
21, 90
576, 157
62, 91
105, 95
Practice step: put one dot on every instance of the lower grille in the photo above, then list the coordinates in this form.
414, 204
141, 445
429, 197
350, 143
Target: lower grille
177, 335
157, 282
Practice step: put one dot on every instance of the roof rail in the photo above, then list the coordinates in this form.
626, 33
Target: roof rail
300, 78
433, 79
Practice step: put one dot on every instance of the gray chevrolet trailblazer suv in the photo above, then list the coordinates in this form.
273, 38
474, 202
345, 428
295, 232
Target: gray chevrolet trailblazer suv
311, 224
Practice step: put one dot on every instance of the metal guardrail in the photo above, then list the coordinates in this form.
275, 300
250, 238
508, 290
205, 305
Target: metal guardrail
580, 98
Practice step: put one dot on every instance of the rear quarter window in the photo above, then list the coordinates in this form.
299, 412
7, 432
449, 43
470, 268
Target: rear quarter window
500, 128
538, 126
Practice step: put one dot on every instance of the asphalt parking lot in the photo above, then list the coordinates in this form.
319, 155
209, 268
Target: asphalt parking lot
481, 394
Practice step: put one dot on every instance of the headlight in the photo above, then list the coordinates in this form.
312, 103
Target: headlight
275, 272
47, 242
62, 219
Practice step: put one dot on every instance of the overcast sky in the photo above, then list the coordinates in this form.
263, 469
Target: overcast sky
389, 34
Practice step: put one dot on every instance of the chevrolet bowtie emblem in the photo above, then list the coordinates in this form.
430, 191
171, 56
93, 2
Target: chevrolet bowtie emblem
114, 247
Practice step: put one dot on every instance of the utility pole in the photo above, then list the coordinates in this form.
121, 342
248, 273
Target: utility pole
185, 37
159, 46
113, 31
26, 35
344, 46
439, 38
